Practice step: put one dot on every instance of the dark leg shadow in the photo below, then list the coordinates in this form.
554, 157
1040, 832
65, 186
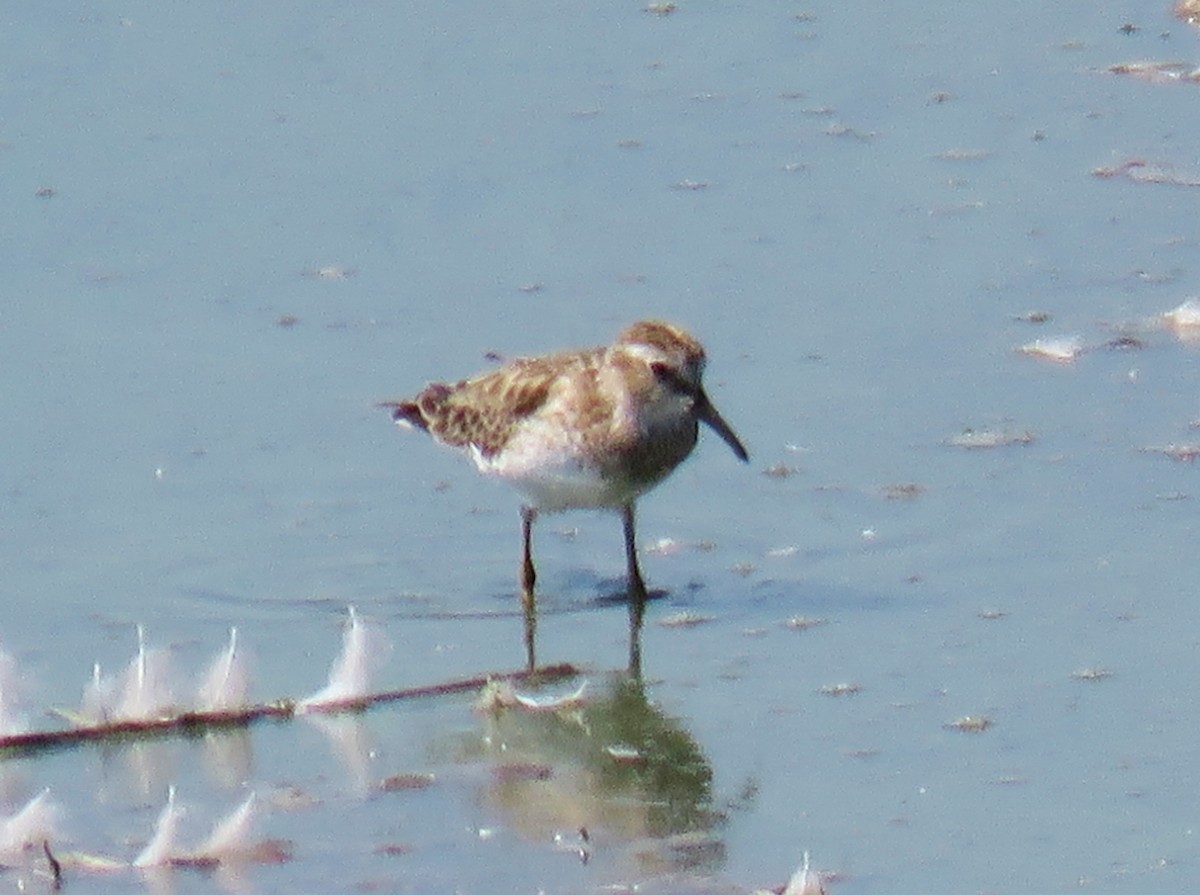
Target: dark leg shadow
637, 594
530, 632
621, 597
635, 642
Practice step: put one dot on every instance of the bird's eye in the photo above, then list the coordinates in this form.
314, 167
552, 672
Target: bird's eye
669, 376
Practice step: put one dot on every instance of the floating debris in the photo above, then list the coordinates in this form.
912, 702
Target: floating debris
841, 690
406, 782
963, 155
330, 272
1092, 674
690, 185
664, 547
1034, 317
781, 471
686, 619
393, 849
1140, 171
970, 724
661, 9
624, 754
1124, 342
1063, 350
1184, 453
845, 130
501, 694
55, 866
803, 622
902, 491
1184, 320
955, 209
495, 695
783, 552
1158, 72
991, 614
521, 772
105, 698
579, 844
982, 439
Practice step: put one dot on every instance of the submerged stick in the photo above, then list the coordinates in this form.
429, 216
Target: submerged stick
55, 867
190, 723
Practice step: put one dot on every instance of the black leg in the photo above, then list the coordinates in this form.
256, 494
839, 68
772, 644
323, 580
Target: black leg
528, 573
637, 592
637, 588
528, 579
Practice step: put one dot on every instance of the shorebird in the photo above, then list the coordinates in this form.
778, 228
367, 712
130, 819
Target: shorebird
594, 428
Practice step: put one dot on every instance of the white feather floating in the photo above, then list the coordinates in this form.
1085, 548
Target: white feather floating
226, 684
364, 649
12, 714
230, 838
1061, 350
146, 686
99, 698
1185, 319
162, 846
804, 881
34, 824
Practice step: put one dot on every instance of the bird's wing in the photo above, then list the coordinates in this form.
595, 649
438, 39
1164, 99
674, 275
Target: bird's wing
485, 410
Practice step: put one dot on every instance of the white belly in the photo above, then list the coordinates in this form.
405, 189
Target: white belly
557, 480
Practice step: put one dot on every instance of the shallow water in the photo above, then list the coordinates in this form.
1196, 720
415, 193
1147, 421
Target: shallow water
251, 226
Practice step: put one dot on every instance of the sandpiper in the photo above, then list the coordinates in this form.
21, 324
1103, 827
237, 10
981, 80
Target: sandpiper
594, 428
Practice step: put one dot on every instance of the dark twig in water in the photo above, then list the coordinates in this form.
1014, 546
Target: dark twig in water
55, 867
190, 723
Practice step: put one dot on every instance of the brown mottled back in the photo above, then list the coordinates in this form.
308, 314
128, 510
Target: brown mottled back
485, 410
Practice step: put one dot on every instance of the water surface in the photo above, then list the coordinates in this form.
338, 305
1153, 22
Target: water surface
230, 232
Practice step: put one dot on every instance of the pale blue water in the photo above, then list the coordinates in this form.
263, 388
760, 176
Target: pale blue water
849, 206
